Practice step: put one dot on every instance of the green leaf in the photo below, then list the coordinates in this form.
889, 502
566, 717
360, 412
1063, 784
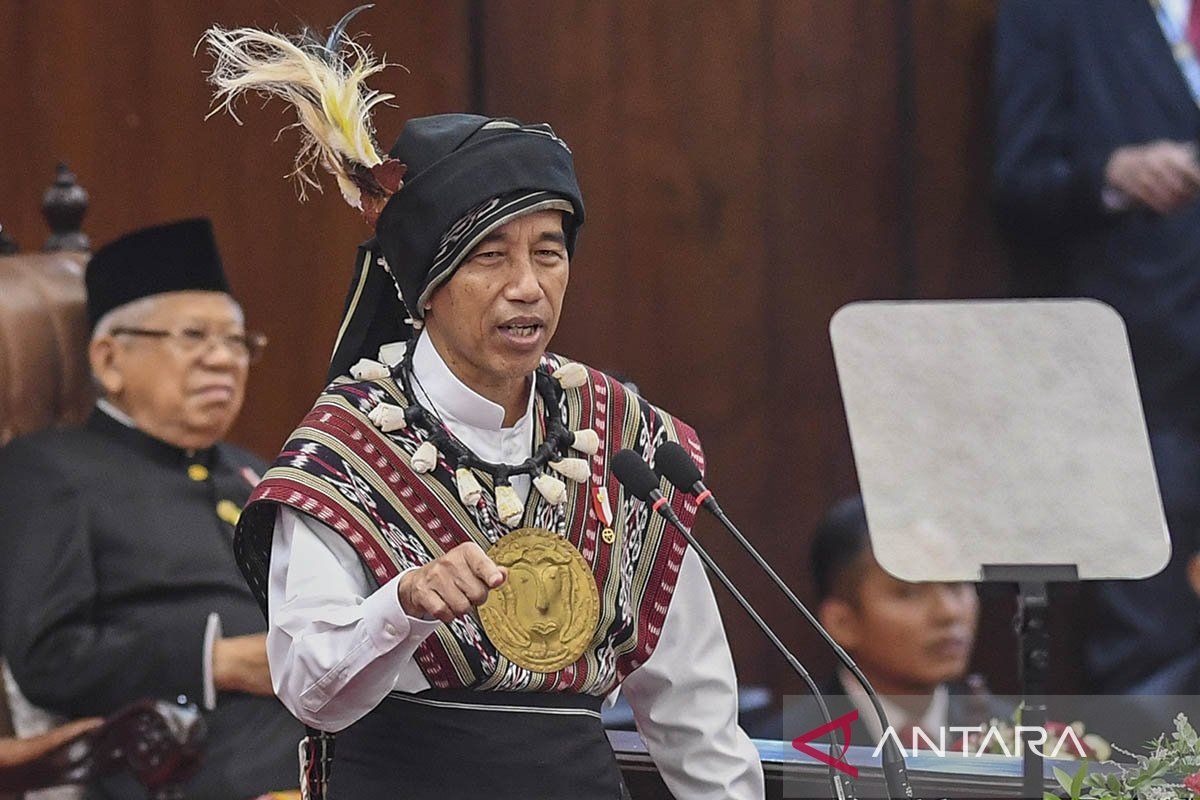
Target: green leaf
1186, 735
1064, 780
1077, 782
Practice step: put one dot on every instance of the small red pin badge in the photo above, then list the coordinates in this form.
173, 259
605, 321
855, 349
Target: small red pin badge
604, 513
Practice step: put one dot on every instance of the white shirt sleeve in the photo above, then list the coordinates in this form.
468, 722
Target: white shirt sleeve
336, 645
684, 699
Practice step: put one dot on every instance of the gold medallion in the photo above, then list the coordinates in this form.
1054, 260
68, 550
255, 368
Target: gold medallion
608, 536
545, 615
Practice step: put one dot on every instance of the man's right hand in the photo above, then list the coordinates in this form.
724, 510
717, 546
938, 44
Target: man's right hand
240, 665
1163, 175
450, 585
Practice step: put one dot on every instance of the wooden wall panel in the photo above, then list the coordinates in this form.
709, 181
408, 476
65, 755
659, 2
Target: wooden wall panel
957, 248
749, 167
739, 169
113, 90
834, 232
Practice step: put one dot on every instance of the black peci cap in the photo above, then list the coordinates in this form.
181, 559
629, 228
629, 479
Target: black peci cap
177, 257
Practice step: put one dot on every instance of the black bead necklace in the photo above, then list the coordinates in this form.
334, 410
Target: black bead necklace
553, 448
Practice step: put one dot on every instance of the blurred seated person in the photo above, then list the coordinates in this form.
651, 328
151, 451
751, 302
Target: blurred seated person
119, 580
912, 641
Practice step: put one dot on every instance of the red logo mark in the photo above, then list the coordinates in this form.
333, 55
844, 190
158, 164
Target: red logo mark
842, 724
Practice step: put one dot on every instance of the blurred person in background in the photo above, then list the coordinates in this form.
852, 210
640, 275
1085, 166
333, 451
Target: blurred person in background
120, 581
1096, 171
912, 641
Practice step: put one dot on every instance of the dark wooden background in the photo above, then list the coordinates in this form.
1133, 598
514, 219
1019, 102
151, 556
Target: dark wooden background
749, 166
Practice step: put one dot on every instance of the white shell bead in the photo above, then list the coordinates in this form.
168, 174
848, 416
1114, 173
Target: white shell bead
574, 468
551, 488
571, 376
586, 441
387, 417
426, 457
469, 490
367, 370
392, 352
508, 505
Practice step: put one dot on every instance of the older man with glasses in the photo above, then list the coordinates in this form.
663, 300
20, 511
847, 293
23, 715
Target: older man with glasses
120, 580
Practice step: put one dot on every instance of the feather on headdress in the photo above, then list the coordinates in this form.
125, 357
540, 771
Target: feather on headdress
325, 82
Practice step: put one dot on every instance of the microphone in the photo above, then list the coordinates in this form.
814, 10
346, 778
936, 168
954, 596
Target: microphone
677, 466
632, 471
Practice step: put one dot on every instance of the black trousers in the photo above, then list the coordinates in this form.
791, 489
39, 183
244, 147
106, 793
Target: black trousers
446, 745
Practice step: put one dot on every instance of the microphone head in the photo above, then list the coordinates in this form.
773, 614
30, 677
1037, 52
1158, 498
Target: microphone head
635, 474
674, 464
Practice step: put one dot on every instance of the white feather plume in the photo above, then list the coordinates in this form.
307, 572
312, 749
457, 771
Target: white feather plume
324, 83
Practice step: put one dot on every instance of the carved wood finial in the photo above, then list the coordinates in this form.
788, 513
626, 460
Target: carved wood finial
63, 206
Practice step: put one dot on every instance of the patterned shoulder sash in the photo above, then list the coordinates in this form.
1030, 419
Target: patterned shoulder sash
339, 469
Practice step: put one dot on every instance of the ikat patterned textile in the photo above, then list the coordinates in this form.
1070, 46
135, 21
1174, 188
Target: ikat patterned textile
338, 468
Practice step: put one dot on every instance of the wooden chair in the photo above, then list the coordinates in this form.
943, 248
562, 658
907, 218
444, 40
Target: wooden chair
44, 375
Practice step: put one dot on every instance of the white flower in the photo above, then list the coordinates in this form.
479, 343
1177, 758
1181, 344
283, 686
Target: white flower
1098, 746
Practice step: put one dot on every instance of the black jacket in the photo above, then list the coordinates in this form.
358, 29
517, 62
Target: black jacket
114, 556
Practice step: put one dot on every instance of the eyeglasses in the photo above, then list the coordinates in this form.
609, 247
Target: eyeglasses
246, 346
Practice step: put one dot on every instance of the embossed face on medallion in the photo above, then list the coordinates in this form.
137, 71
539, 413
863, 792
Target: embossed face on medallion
541, 581
545, 615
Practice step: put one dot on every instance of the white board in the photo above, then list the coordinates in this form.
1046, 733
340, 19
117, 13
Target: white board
999, 432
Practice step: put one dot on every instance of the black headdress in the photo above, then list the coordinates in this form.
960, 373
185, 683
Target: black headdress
462, 175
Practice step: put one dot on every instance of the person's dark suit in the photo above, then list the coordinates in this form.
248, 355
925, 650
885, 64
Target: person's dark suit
1075, 80
117, 548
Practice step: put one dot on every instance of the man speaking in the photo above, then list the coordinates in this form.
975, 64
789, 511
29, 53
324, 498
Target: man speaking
454, 579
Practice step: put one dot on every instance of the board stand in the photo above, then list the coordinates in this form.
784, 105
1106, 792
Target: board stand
1031, 625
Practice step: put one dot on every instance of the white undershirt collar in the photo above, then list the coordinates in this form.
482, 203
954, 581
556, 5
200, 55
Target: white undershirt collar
116, 413
452, 399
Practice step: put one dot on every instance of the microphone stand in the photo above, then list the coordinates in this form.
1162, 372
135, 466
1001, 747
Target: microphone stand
894, 769
843, 788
